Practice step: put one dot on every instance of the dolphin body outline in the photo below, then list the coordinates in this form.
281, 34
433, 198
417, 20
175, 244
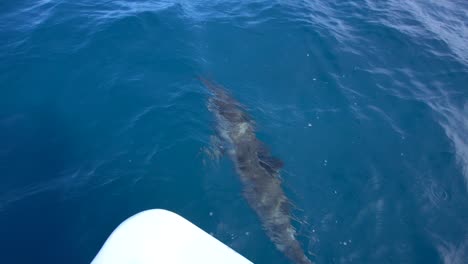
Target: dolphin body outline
258, 171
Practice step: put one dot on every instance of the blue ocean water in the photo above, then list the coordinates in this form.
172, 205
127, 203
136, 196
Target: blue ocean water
366, 103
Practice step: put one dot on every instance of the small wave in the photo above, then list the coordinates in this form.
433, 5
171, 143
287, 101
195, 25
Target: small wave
325, 16
19, 194
18, 23
442, 19
436, 194
110, 11
29, 17
133, 121
388, 119
454, 121
373, 211
445, 19
192, 11
375, 179
450, 108
452, 253
379, 218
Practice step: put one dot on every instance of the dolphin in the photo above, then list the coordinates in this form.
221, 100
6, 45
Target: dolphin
259, 171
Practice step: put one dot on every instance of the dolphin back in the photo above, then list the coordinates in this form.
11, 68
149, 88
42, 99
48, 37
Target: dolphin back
258, 169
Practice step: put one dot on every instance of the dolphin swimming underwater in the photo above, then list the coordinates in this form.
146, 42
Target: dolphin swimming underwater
258, 171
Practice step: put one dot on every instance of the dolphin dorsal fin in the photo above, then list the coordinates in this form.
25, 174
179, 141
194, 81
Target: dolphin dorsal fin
268, 162
271, 162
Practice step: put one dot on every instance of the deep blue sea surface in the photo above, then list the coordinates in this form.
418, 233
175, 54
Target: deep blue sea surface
365, 102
